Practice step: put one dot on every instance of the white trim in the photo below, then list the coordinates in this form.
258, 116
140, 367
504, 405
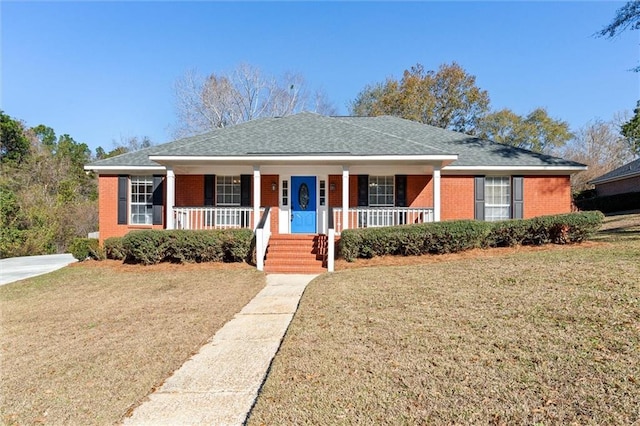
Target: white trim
345, 197
284, 214
514, 168
303, 158
436, 194
171, 198
132, 169
256, 195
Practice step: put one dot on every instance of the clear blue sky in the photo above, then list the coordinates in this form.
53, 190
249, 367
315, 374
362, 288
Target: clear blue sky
102, 70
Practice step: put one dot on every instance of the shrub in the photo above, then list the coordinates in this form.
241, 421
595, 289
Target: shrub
144, 247
237, 245
182, 246
114, 249
508, 233
435, 238
455, 236
85, 248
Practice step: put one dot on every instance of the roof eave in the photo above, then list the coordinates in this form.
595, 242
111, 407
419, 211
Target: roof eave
615, 178
514, 168
122, 169
299, 159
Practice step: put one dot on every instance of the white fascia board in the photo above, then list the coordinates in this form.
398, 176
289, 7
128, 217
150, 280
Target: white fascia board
569, 169
122, 169
302, 158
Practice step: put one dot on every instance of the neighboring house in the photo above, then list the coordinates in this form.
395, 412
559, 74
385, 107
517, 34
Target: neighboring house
364, 171
624, 179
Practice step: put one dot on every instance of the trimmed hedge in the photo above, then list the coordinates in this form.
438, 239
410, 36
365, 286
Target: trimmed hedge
86, 248
459, 235
114, 249
559, 229
181, 246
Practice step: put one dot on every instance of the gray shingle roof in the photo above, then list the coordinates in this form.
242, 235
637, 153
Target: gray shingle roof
312, 134
471, 150
624, 171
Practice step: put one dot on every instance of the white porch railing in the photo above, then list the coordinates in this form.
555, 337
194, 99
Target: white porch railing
196, 218
371, 217
263, 233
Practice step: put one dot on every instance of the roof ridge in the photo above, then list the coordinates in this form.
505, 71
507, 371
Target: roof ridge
342, 120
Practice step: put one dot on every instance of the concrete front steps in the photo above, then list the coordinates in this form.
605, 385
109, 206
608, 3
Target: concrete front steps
296, 254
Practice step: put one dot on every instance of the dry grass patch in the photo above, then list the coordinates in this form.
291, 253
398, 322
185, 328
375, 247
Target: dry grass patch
84, 344
527, 337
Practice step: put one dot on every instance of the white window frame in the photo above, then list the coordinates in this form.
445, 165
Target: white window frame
228, 188
141, 200
376, 183
497, 198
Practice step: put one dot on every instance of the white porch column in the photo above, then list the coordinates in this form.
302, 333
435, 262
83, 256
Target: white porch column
345, 197
256, 196
171, 198
436, 193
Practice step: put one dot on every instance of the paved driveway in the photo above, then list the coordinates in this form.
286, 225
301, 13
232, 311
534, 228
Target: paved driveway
19, 268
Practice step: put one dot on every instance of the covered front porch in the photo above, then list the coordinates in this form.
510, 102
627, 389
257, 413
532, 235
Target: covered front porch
319, 199
301, 199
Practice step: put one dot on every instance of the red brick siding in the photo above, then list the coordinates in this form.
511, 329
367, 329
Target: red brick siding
544, 195
456, 197
268, 197
108, 210
190, 190
619, 186
353, 191
419, 191
335, 196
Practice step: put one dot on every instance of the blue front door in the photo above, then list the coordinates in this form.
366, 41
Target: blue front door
303, 204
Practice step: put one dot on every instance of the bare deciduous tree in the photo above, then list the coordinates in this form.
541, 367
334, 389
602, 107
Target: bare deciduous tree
600, 146
205, 103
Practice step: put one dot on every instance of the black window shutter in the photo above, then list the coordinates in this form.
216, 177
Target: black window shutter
209, 189
157, 199
401, 190
479, 197
123, 184
245, 190
518, 197
363, 190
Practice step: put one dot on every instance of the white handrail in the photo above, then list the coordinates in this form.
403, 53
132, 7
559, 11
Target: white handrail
197, 218
372, 217
331, 249
263, 233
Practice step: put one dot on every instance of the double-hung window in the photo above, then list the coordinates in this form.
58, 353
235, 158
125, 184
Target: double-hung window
381, 191
228, 195
381, 194
497, 203
141, 193
228, 190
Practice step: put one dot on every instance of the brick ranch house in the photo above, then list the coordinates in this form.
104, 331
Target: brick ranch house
308, 177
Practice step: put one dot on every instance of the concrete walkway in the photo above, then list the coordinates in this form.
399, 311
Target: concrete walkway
20, 268
219, 385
